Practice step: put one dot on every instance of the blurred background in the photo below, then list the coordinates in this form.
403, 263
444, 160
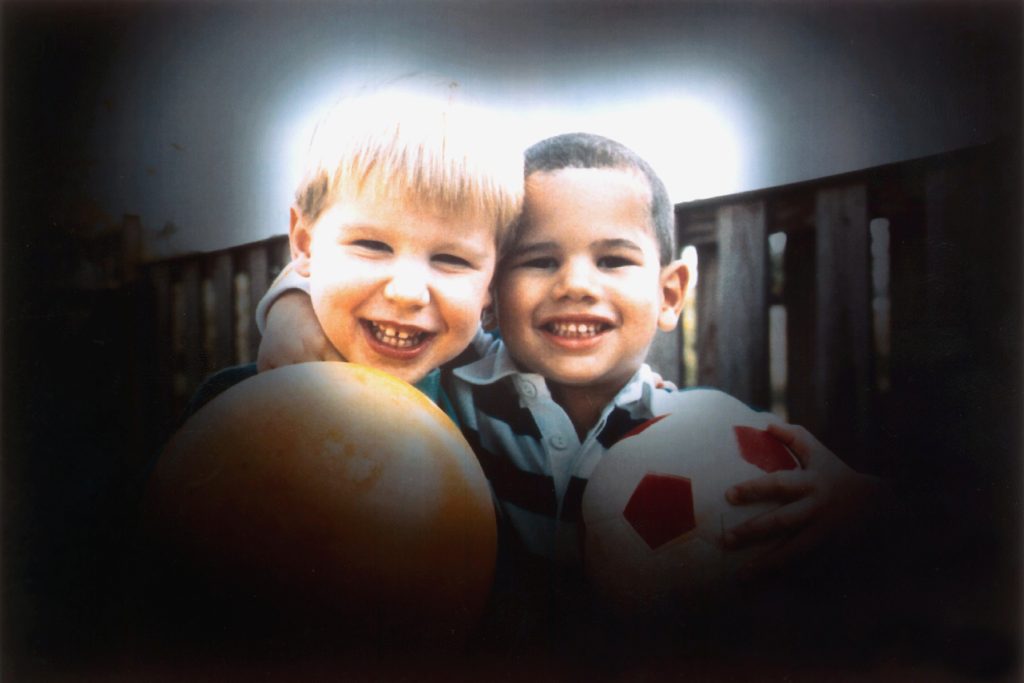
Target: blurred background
191, 115
847, 177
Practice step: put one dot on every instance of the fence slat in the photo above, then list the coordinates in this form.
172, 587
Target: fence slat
665, 354
799, 299
741, 303
953, 219
222, 278
707, 322
192, 319
908, 295
163, 343
259, 270
280, 254
131, 247
843, 329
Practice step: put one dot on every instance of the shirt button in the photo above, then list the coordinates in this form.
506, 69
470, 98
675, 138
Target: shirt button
528, 389
559, 441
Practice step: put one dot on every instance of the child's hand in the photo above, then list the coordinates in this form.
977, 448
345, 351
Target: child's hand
823, 499
662, 383
293, 334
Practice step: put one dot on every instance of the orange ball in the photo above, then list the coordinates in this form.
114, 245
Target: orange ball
331, 490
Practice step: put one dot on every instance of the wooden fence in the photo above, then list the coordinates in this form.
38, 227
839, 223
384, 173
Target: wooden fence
885, 296
202, 317
876, 293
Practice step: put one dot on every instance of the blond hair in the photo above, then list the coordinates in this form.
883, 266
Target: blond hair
428, 150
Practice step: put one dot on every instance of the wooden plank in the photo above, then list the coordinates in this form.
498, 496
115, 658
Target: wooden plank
792, 211
280, 254
193, 351
222, 352
131, 247
695, 226
843, 320
973, 209
958, 217
903, 425
258, 269
908, 295
741, 305
707, 328
665, 355
798, 296
162, 384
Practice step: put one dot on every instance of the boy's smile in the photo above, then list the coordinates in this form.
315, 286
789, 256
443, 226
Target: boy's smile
394, 339
576, 332
393, 336
582, 292
396, 286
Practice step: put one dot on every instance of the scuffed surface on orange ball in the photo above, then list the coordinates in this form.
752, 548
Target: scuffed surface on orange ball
330, 492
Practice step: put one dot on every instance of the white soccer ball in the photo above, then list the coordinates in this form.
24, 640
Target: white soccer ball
654, 509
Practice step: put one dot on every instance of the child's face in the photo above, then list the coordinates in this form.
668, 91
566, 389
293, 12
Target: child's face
582, 292
396, 286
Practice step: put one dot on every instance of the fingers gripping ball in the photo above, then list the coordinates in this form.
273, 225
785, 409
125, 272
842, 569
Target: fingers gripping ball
655, 511
334, 490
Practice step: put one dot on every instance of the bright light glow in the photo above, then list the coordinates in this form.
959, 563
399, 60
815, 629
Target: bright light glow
689, 319
293, 141
689, 259
777, 243
694, 145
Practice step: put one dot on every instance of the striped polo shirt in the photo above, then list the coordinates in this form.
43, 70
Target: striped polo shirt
529, 449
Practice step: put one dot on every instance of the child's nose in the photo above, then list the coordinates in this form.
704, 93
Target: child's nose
407, 287
576, 281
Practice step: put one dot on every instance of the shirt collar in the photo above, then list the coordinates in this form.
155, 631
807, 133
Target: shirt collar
431, 385
490, 368
498, 364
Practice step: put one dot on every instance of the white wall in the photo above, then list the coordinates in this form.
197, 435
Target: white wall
202, 106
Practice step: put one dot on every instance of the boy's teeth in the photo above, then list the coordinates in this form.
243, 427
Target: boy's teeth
392, 336
575, 329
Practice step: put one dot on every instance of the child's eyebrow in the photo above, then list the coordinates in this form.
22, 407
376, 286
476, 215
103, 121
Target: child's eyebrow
345, 228
469, 250
545, 247
526, 249
618, 243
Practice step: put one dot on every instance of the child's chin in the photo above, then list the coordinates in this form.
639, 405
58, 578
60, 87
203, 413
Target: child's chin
410, 375
573, 379
588, 377
411, 372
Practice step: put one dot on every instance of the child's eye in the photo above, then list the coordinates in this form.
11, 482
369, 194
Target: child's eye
614, 262
542, 262
452, 260
372, 245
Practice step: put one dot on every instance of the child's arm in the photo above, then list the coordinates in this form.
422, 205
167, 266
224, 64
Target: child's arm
823, 499
291, 331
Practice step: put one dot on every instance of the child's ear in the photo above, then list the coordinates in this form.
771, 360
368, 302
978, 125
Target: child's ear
489, 315
674, 278
300, 235
488, 319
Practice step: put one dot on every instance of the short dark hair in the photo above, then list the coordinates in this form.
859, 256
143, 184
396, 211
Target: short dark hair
586, 150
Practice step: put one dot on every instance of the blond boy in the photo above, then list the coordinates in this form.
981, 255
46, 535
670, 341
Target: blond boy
395, 227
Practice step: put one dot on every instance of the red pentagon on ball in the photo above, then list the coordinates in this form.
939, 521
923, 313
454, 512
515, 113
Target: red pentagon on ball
763, 450
661, 508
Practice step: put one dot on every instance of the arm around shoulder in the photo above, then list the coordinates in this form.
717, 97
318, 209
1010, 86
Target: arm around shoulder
288, 280
289, 325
